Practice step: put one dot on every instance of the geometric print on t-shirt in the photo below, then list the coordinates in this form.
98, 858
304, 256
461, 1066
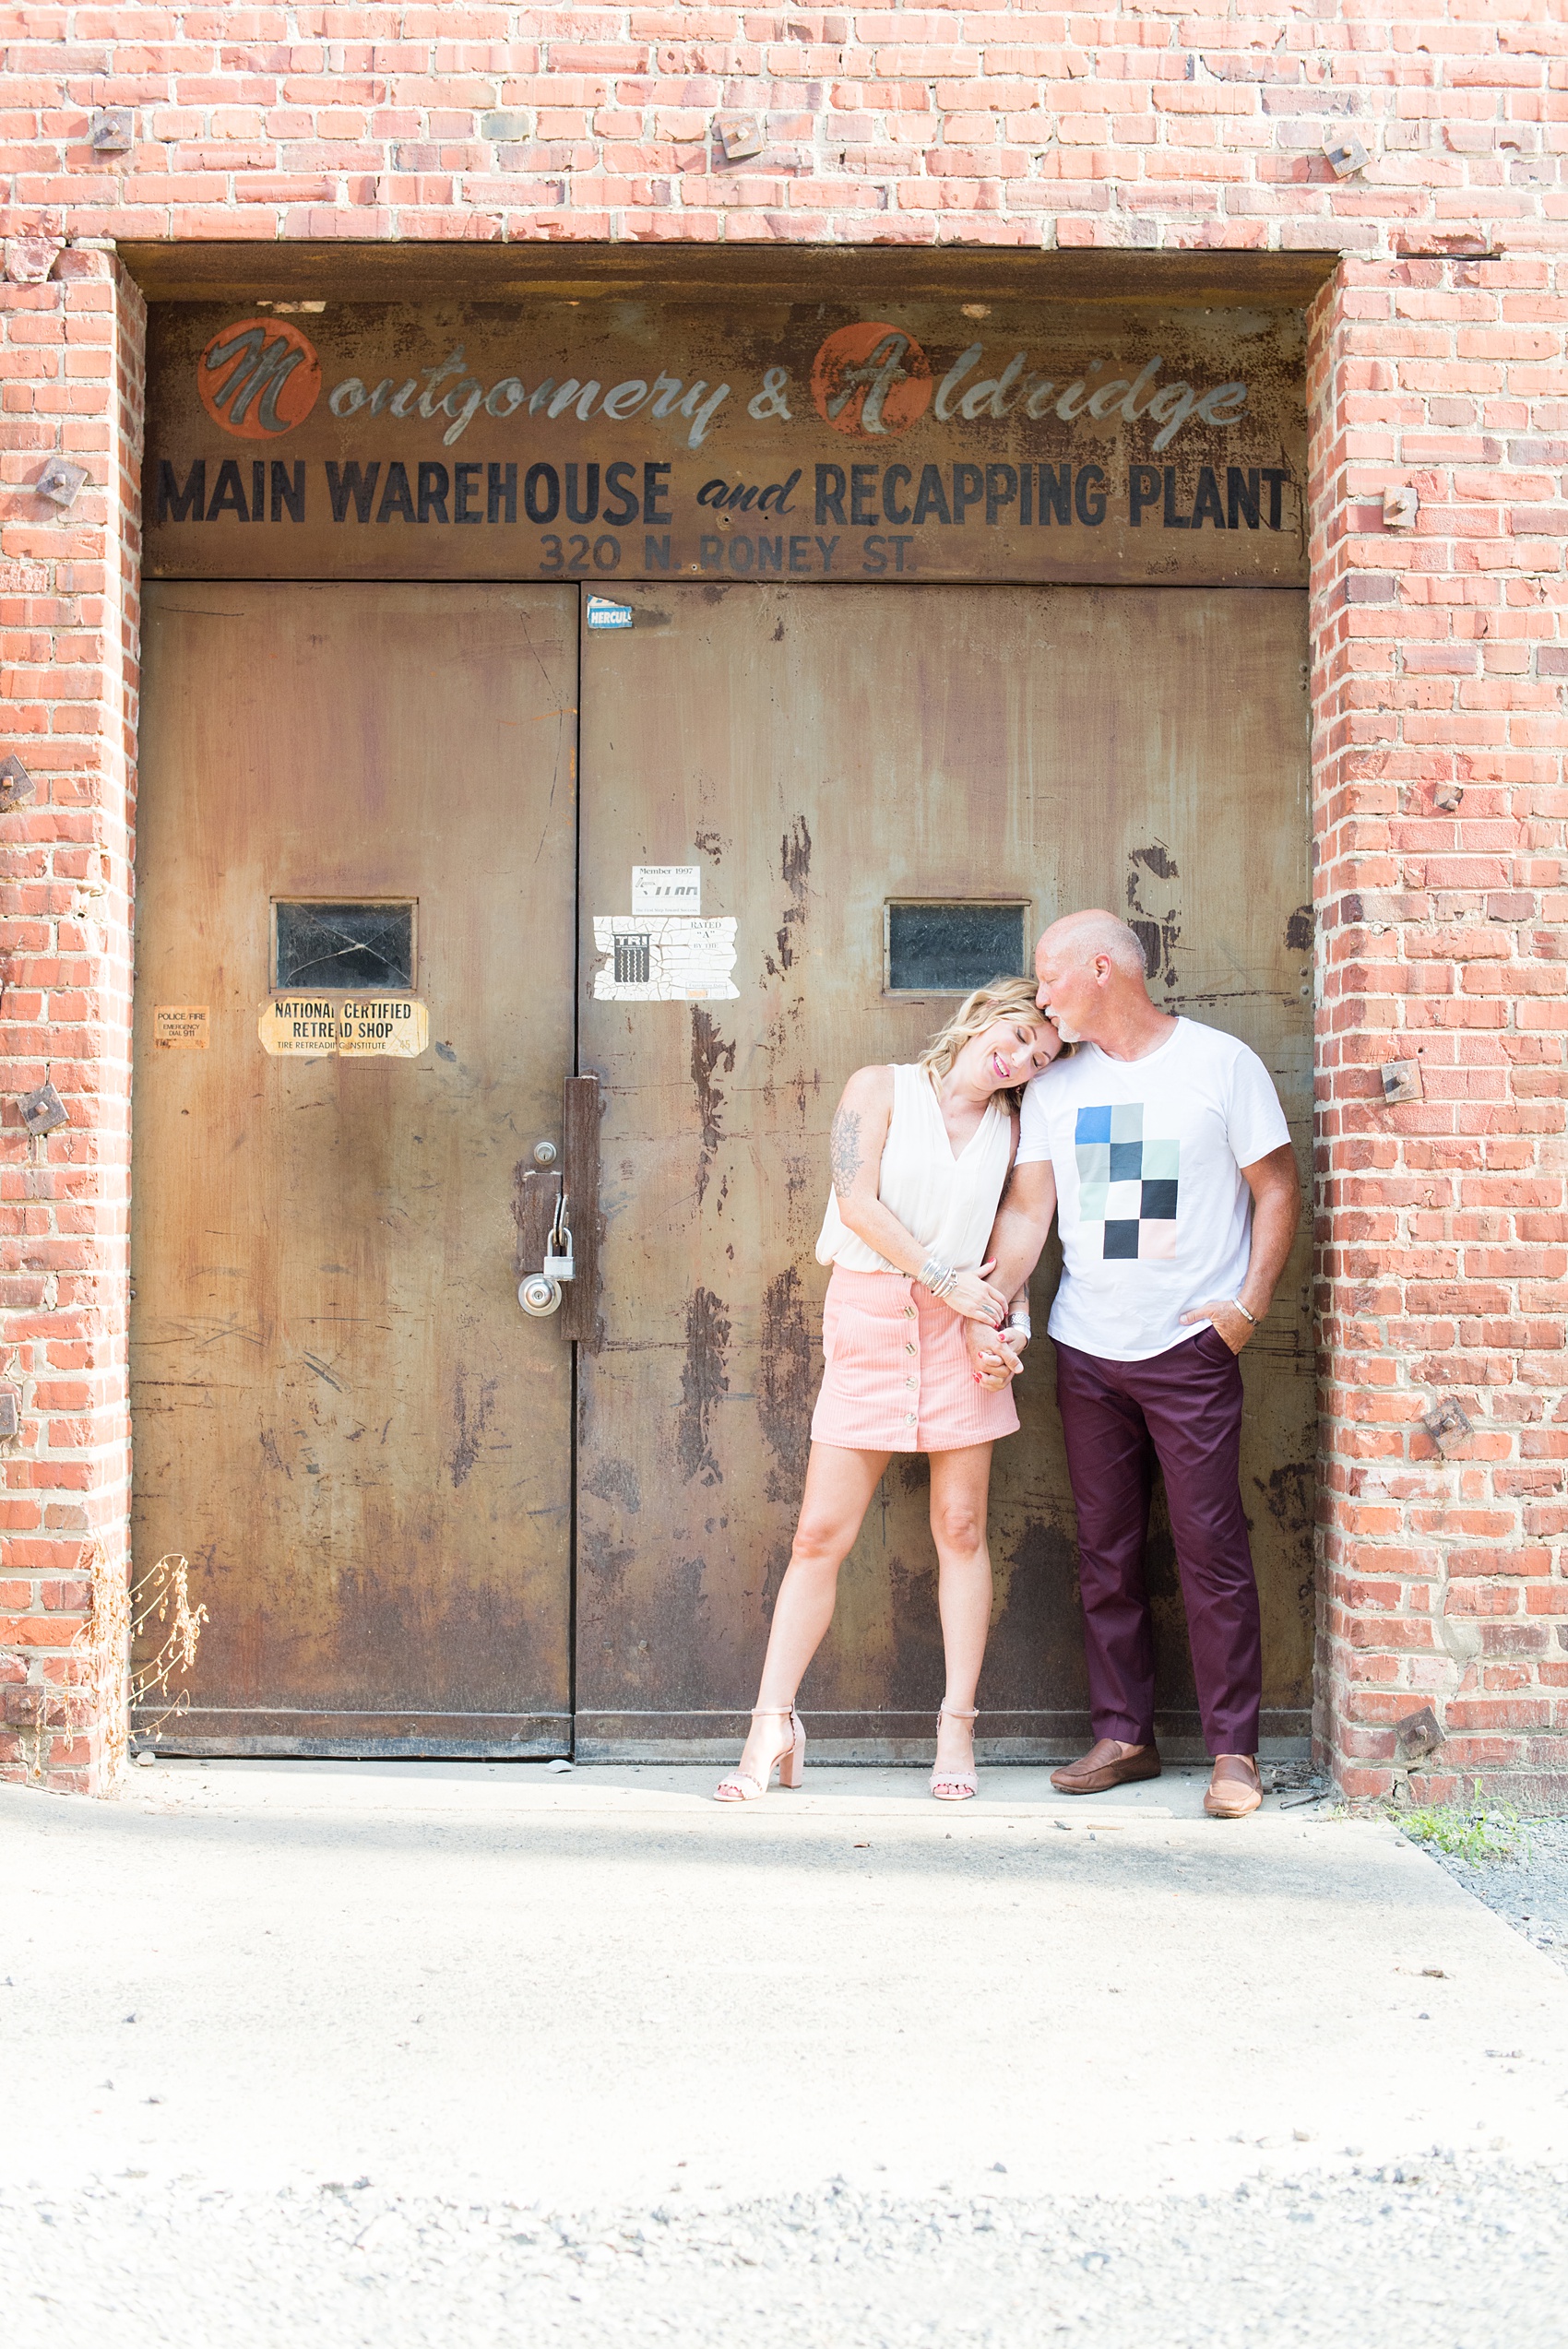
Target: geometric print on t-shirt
1127, 1183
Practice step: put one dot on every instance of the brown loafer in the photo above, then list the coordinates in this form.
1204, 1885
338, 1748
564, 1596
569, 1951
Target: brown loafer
1235, 1787
1107, 1763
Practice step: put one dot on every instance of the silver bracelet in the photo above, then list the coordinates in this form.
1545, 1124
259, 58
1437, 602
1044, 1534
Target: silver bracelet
936, 1277
1243, 1312
1020, 1322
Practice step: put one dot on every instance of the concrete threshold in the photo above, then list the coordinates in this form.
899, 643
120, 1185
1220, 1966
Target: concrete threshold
842, 1796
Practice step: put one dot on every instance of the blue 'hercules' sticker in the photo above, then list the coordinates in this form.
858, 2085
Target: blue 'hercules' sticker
602, 613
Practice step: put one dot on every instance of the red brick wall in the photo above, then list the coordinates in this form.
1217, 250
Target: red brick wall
1438, 359
1442, 891
69, 383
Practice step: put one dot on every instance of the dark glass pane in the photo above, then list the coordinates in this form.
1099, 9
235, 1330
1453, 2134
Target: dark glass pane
356, 946
945, 950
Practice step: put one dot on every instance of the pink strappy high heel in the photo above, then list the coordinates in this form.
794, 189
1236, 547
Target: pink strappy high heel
955, 1785
790, 1760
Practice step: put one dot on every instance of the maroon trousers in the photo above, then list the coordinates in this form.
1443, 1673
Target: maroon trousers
1184, 1409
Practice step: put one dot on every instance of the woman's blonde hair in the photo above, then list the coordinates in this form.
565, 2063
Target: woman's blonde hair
999, 999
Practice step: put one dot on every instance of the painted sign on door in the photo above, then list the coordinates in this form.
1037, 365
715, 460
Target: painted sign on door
934, 440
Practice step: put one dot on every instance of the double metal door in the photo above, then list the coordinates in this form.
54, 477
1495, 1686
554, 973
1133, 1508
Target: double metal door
423, 1521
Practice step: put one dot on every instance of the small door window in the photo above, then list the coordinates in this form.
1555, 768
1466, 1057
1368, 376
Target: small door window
366, 946
940, 946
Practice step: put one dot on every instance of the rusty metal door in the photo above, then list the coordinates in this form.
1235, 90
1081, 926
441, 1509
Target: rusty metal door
342, 1418
819, 754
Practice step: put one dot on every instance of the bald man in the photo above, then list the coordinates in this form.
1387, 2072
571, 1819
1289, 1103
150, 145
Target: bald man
1164, 1144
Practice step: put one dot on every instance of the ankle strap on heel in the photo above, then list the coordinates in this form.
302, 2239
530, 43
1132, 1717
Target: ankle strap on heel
951, 1713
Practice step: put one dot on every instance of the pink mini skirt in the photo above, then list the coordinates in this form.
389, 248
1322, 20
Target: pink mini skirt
897, 1376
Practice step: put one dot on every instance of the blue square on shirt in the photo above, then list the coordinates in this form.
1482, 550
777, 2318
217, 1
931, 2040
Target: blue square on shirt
1120, 1238
1094, 1125
1126, 1161
1159, 1202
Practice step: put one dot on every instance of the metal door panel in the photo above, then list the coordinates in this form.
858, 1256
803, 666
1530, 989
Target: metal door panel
816, 753
342, 1419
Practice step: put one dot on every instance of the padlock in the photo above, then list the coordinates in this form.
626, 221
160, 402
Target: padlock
558, 1265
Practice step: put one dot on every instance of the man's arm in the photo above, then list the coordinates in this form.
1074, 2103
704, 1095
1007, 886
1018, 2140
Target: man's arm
1023, 1221
1277, 1211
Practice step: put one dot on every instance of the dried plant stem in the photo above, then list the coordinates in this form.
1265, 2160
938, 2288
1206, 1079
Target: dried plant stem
103, 1683
166, 1596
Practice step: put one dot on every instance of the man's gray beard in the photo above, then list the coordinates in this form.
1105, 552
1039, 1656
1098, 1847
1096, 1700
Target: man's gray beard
1068, 1035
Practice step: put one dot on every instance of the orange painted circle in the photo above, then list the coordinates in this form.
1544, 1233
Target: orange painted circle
259, 378
871, 364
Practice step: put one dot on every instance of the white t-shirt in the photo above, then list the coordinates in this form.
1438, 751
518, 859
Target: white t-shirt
1155, 1215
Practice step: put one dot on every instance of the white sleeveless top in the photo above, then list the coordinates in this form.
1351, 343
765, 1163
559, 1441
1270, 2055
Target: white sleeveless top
948, 1204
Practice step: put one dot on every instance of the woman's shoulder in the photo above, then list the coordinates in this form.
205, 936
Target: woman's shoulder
871, 1086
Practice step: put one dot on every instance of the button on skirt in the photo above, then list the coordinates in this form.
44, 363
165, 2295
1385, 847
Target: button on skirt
897, 1375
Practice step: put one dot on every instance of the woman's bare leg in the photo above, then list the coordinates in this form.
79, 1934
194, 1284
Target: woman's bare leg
839, 1485
960, 1492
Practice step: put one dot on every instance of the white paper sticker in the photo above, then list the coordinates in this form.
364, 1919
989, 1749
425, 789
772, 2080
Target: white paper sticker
666, 888
664, 958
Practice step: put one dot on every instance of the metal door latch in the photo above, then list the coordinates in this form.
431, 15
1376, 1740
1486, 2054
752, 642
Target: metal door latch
539, 1293
553, 1276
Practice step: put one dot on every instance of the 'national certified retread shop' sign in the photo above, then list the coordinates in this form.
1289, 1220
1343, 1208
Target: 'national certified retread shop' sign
639, 440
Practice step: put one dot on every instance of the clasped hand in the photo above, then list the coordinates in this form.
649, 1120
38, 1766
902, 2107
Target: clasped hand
995, 1356
972, 1296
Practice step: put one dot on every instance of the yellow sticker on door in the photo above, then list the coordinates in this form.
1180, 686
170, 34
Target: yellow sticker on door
181, 1027
309, 1027
395, 1025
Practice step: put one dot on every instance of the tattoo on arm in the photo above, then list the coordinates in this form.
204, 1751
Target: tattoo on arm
844, 1149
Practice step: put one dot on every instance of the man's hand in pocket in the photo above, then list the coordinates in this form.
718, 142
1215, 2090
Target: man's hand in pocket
1228, 1320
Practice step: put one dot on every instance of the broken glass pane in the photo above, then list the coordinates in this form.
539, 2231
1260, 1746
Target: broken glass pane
356, 946
947, 949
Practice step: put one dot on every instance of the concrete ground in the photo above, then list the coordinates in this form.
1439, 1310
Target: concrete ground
319, 2053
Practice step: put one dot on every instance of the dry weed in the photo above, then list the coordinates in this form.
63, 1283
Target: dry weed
166, 1596
105, 1684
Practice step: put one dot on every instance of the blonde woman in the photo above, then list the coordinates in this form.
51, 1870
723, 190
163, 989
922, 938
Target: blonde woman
921, 1155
